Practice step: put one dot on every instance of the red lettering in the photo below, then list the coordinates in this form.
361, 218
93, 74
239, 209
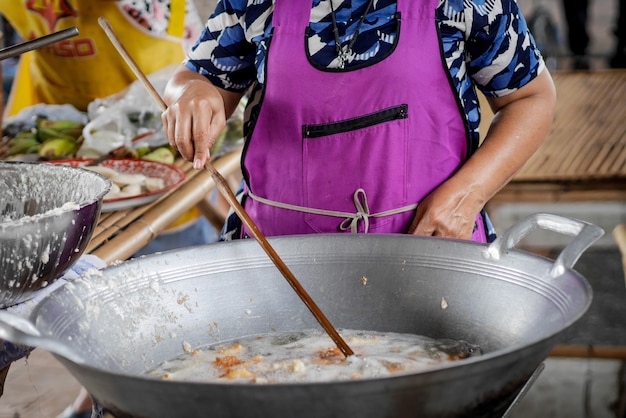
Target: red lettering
73, 48
85, 48
63, 49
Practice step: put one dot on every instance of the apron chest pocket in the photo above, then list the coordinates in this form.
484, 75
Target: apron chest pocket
367, 152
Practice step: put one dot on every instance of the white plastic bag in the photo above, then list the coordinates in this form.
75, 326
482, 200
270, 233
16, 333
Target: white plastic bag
52, 112
117, 119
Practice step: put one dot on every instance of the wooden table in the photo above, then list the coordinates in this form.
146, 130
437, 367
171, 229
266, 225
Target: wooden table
584, 156
122, 233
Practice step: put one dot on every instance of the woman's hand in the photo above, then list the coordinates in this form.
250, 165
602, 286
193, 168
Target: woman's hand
449, 211
196, 114
521, 122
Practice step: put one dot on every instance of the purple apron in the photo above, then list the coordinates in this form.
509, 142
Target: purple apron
352, 150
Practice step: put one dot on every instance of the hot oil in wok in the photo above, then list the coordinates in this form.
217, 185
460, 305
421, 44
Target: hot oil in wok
311, 356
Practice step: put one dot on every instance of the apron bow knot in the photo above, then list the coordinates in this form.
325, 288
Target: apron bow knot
362, 214
350, 221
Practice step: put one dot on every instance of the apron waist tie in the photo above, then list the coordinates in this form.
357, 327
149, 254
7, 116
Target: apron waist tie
351, 220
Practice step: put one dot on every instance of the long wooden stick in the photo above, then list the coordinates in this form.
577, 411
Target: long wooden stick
225, 189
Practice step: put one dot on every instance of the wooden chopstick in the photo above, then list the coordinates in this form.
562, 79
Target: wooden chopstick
224, 188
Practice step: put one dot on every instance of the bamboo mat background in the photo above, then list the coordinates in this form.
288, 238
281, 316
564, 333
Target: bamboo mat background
588, 136
584, 156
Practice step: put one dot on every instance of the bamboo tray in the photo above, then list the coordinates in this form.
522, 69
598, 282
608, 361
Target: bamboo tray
122, 233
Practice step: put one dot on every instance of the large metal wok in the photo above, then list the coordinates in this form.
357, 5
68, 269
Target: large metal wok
107, 331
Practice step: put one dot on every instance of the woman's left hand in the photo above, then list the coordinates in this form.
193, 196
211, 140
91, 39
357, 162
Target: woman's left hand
447, 212
522, 120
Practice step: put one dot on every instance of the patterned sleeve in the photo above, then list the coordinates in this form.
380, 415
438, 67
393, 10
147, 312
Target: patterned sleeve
502, 54
222, 53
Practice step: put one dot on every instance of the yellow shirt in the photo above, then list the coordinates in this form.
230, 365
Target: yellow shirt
87, 66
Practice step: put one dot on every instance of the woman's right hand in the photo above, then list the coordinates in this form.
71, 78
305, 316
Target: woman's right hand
196, 114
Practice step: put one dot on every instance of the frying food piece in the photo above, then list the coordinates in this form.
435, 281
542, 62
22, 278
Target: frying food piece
154, 183
132, 189
126, 184
105, 171
113, 192
124, 179
309, 356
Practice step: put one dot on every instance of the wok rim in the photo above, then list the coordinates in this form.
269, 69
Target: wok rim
586, 289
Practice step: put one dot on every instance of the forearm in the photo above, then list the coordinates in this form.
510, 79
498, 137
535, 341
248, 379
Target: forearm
522, 121
519, 127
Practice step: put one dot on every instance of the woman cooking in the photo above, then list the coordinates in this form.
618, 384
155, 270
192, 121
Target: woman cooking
362, 114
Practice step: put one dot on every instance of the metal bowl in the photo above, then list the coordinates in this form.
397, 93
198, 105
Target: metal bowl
48, 213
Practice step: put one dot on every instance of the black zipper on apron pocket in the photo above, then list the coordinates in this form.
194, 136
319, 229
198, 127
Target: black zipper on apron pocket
353, 124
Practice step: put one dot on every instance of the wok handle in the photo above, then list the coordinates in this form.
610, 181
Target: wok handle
20, 330
583, 232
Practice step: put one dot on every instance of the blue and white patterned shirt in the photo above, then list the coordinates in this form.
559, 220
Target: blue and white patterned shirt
486, 44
